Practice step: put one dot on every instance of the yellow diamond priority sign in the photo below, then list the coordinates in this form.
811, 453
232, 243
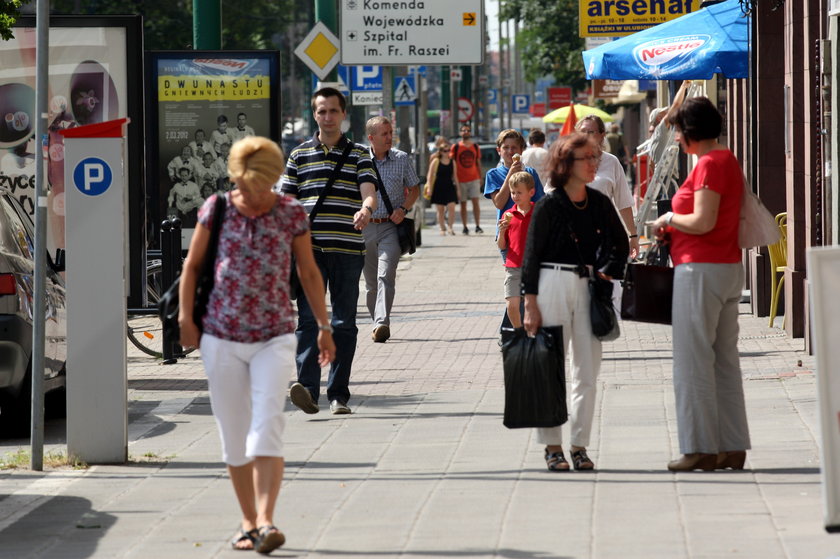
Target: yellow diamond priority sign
319, 50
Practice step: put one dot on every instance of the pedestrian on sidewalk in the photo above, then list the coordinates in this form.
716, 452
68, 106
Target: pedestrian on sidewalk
467, 155
708, 276
509, 144
337, 241
575, 232
442, 187
399, 183
536, 155
248, 344
611, 180
513, 232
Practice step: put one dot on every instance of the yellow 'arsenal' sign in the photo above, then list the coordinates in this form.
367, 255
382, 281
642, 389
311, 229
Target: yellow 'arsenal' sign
616, 18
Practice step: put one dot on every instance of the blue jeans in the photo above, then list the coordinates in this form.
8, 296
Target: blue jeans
341, 273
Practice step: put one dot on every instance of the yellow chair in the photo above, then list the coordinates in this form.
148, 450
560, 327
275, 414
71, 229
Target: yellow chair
778, 263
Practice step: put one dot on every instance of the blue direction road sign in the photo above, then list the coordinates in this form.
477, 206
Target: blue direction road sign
492, 96
405, 90
520, 103
92, 176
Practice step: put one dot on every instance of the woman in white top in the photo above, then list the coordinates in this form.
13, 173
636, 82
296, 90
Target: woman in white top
611, 180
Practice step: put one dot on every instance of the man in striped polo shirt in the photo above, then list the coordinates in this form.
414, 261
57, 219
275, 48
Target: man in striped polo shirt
399, 180
337, 243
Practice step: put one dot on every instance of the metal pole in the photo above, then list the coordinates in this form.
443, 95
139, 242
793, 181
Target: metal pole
387, 91
42, 62
422, 125
207, 24
325, 11
508, 74
453, 113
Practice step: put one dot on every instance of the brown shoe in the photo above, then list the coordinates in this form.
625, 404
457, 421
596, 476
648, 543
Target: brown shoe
381, 334
694, 461
732, 459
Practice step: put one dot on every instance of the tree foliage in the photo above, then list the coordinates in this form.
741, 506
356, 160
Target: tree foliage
550, 43
9, 12
168, 24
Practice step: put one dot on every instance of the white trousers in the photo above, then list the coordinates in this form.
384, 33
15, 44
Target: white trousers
564, 300
248, 385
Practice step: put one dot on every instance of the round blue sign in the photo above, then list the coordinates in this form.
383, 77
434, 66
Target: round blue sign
92, 176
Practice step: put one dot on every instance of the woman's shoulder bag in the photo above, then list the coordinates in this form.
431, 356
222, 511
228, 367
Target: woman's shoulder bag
170, 304
757, 226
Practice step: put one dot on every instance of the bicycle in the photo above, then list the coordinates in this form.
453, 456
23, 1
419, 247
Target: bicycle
145, 330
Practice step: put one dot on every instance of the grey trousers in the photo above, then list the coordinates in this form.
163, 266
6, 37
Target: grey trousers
711, 413
382, 246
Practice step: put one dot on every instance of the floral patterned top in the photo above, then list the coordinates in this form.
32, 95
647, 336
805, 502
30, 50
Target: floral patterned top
250, 298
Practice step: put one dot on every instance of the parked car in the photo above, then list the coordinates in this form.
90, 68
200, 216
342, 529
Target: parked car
17, 269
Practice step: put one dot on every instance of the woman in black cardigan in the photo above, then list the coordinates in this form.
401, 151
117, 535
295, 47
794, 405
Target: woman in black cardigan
572, 224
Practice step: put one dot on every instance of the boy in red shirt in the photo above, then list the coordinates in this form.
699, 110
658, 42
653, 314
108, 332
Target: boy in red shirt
513, 230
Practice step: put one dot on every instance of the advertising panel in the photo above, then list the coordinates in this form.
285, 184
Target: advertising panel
559, 97
823, 276
606, 89
617, 18
201, 103
89, 82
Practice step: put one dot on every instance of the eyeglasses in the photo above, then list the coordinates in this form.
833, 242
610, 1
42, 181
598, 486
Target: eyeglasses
596, 159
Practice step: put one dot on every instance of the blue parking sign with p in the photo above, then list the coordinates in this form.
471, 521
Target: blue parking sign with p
520, 103
92, 176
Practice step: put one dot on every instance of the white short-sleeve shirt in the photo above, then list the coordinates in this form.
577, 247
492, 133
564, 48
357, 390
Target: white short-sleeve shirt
611, 181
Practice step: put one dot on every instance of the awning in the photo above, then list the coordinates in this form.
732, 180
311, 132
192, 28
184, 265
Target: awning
691, 47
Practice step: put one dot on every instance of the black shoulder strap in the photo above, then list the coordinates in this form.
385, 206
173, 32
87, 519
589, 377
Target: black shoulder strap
382, 190
335, 172
215, 231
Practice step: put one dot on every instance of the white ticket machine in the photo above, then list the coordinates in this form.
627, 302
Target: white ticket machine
95, 237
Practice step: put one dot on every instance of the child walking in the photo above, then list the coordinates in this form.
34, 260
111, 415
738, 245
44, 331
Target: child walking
513, 230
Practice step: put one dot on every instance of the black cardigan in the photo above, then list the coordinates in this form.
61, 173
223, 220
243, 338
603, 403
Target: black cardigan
549, 238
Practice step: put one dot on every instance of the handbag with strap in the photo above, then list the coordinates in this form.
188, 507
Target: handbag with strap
601, 310
169, 304
295, 288
405, 228
648, 289
757, 227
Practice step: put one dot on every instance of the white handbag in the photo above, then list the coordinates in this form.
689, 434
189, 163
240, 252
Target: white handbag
757, 226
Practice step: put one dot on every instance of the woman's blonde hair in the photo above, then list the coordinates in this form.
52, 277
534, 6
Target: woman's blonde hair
256, 161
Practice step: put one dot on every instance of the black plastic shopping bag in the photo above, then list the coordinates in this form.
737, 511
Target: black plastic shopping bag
535, 383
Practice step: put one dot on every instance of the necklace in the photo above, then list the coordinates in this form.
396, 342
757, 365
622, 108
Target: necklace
581, 205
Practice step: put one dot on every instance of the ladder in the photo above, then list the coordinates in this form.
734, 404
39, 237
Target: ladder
663, 180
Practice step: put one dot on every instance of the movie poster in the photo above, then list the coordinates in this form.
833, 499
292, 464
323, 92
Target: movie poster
87, 85
205, 102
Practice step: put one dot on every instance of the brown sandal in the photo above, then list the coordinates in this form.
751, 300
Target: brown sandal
581, 460
556, 461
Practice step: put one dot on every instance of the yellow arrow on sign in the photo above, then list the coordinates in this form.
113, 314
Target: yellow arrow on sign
469, 18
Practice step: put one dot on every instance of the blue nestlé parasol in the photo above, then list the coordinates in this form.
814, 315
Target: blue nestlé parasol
694, 46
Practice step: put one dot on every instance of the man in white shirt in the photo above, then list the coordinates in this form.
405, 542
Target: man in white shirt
536, 155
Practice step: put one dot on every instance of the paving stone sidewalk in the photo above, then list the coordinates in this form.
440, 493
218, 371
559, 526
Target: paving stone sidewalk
424, 467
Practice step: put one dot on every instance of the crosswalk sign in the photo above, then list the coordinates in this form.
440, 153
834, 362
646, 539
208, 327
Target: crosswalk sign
405, 90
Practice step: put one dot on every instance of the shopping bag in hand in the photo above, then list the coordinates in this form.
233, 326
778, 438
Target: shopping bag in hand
535, 383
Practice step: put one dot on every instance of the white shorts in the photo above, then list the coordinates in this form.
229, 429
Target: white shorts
248, 385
